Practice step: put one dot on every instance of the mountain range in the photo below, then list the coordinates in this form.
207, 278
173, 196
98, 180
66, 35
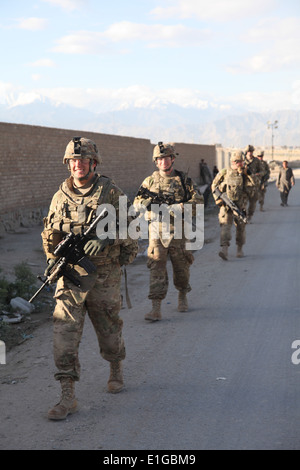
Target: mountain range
165, 122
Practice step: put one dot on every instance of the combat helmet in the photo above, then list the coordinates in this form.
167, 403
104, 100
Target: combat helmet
163, 150
81, 147
236, 156
250, 148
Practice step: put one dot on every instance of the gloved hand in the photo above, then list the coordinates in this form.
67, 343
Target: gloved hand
94, 246
219, 202
51, 262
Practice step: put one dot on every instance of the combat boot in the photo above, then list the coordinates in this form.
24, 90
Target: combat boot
155, 314
224, 253
182, 302
239, 252
68, 402
115, 382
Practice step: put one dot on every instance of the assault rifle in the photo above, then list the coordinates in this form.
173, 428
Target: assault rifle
238, 213
156, 198
70, 251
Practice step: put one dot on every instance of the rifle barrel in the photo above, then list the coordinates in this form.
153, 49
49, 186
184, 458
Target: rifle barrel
95, 222
38, 291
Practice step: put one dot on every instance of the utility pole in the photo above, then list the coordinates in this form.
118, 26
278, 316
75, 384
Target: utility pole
272, 125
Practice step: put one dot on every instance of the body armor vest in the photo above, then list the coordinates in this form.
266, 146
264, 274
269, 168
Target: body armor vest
74, 212
234, 185
171, 185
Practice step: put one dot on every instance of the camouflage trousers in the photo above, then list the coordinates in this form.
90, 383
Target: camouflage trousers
252, 204
226, 220
99, 297
261, 196
181, 260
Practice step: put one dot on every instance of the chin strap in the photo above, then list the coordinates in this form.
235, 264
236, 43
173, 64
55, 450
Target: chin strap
170, 167
88, 173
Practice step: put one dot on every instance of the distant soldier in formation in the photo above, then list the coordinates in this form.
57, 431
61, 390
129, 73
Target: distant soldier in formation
264, 180
285, 182
236, 183
215, 171
253, 167
206, 178
167, 184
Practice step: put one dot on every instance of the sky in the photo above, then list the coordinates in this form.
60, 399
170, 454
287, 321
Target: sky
114, 54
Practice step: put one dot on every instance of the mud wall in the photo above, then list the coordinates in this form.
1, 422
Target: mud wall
31, 166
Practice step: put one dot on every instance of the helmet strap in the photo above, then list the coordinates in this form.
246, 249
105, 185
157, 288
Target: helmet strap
91, 170
170, 167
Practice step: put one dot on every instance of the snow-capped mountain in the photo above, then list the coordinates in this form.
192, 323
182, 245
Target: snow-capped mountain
162, 121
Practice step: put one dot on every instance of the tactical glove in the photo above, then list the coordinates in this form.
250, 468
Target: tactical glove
94, 246
51, 262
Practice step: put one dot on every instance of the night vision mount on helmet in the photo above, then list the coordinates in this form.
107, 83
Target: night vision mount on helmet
80, 147
249, 148
163, 150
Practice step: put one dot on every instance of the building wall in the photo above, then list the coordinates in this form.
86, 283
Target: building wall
32, 169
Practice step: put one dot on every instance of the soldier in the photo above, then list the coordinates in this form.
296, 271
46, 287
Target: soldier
167, 181
255, 169
206, 178
264, 180
73, 207
285, 182
236, 183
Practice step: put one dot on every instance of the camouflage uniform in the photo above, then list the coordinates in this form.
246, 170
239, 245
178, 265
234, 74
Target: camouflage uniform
183, 190
265, 175
237, 186
72, 209
255, 169
100, 292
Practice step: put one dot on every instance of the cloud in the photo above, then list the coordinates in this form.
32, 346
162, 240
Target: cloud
274, 29
216, 10
42, 63
268, 62
279, 46
296, 92
266, 101
31, 24
158, 35
69, 5
81, 42
36, 77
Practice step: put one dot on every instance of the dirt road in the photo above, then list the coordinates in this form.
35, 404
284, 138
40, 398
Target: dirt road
217, 377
